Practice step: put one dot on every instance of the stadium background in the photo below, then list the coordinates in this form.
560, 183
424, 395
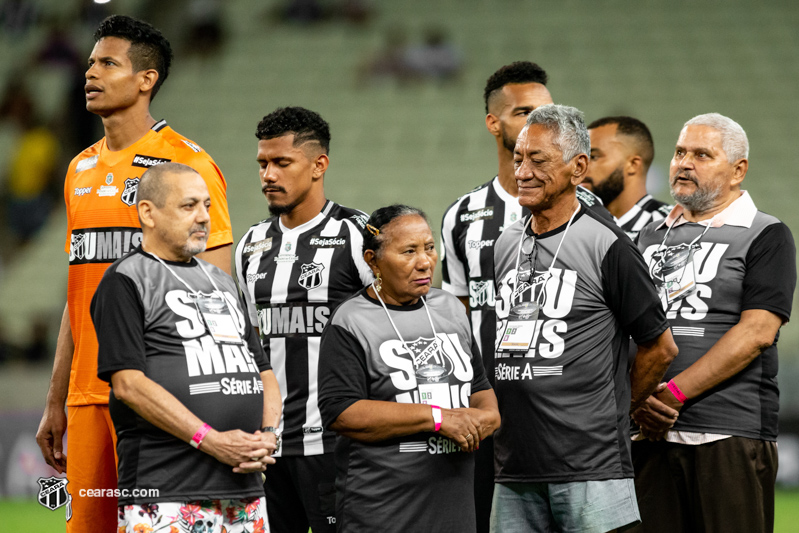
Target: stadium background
422, 142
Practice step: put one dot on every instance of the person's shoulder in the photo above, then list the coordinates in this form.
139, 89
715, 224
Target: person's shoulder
601, 231
86, 160
185, 150
352, 215
351, 310
653, 205
462, 203
129, 265
511, 233
593, 203
262, 227
445, 299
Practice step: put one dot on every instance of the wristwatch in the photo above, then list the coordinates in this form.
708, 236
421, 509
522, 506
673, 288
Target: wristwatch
278, 435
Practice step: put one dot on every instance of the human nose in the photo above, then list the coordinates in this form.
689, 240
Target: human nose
91, 72
523, 170
203, 214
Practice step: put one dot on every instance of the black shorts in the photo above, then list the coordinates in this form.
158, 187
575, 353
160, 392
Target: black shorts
727, 485
301, 493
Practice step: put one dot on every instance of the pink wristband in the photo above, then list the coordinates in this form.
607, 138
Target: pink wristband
198, 437
675, 390
437, 416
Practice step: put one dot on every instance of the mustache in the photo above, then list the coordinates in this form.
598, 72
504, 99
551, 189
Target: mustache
273, 188
199, 227
685, 175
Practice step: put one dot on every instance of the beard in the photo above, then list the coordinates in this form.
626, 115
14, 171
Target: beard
699, 201
611, 188
508, 142
192, 248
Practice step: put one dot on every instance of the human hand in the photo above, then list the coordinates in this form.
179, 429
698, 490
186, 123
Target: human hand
246, 452
50, 435
461, 425
654, 417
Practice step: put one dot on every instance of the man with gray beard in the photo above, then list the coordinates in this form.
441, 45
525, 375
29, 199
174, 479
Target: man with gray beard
706, 456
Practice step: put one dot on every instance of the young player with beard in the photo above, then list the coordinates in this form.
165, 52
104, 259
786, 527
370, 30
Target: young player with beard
127, 66
294, 269
621, 153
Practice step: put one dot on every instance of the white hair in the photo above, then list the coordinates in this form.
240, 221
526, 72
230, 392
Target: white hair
733, 137
568, 125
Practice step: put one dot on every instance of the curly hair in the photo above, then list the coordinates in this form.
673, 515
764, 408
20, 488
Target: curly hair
148, 47
517, 72
373, 234
305, 124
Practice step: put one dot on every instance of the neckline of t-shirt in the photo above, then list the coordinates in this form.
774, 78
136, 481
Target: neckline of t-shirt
179, 264
315, 221
114, 157
374, 301
528, 229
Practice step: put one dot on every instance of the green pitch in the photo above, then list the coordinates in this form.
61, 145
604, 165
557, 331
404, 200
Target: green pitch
29, 516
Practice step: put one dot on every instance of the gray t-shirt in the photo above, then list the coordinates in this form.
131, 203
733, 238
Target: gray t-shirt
145, 320
565, 402
747, 263
420, 482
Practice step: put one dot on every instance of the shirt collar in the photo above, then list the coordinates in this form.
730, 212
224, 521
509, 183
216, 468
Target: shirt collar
739, 213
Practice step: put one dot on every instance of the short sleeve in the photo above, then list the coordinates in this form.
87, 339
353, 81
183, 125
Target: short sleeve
770, 277
343, 375
254, 341
239, 265
630, 294
221, 231
453, 269
118, 316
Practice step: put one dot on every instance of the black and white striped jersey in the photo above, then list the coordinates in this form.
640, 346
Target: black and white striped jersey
468, 231
645, 210
292, 280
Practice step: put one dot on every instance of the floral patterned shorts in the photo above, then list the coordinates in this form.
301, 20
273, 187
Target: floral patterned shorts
206, 516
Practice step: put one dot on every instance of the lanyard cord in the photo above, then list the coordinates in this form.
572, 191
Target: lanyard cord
393, 325
668, 230
554, 257
191, 291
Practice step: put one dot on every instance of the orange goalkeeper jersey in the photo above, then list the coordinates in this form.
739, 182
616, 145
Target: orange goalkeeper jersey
102, 226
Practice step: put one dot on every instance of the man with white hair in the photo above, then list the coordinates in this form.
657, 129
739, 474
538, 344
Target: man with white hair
571, 289
706, 457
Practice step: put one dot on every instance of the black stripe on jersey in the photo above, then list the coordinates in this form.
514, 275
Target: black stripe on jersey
158, 126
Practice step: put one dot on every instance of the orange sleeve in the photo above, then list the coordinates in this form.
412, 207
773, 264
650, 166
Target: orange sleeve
67, 195
221, 230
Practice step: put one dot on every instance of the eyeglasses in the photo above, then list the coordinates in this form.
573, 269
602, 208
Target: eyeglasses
527, 266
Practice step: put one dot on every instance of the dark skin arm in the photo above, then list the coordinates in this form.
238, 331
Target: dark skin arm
54, 420
733, 352
374, 421
651, 362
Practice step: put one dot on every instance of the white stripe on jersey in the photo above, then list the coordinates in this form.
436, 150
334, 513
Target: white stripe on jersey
477, 321
457, 281
312, 442
474, 233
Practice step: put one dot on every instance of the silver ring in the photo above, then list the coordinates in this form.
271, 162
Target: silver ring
469, 436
